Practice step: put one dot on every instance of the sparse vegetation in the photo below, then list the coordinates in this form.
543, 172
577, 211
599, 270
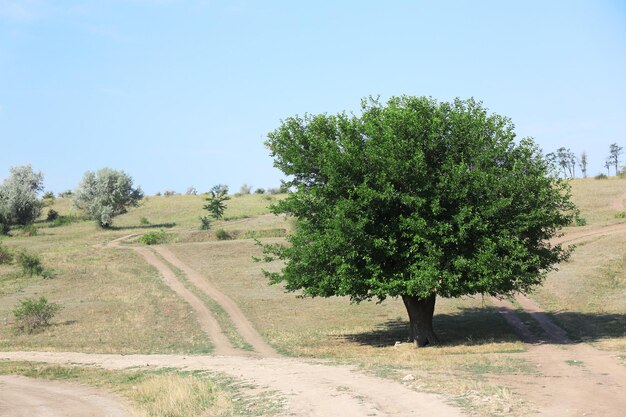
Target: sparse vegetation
30, 263
144, 221
29, 230
32, 314
222, 234
6, 256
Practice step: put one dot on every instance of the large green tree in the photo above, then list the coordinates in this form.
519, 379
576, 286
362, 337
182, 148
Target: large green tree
415, 199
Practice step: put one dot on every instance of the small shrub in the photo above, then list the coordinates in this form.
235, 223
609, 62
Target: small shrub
29, 230
580, 220
620, 215
169, 193
144, 221
63, 220
205, 222
31, 314
52, 215
6, 257
30, 263
222, 234
601, 176
154, 238
259, 191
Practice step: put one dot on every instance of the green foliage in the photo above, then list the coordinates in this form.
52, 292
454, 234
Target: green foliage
30, 263
4, 221
52, 215
620, 215
29, 230
205, 223
105, 194
601, 176
222, 234
6, 257
66, 194
259, 191
155, 238
18, 196
144, 221
615, 151
65, 220
216, 202
257, 234
32, 315
48, 195
580, 220
415, 198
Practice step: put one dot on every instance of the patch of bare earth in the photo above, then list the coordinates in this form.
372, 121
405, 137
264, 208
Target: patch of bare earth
27, 397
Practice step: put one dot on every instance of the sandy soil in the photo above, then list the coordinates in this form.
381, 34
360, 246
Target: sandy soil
27, 397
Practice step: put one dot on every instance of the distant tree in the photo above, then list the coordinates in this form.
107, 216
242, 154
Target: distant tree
614, 153
607, 165
245, 189
105, 194
259, 191
415, 199
216, 202
191, 191
18, 196
567, 161
583, 163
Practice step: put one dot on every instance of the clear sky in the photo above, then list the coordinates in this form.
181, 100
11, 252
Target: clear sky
183, 93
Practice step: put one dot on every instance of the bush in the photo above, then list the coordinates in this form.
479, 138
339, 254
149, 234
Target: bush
154, 238
259, 191
31, 315
63, 220
30, 263
205, 222
620, 215
29, 230
144, 221
6, 256
52, 215
66, 194
222, 234
580, 221
4, 222
601, 176
169, 193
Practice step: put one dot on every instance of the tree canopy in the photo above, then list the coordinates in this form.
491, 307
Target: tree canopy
415, 199
18, 197
105, 194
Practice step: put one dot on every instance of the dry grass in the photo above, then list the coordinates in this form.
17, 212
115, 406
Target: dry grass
594, 198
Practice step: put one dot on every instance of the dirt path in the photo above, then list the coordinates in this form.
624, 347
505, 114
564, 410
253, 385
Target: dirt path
575, 379
309, 389
27, 397
245, 329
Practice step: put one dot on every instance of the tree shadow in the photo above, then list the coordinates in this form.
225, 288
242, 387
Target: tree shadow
475, 326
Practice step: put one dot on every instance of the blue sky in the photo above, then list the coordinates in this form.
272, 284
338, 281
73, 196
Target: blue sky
182, 93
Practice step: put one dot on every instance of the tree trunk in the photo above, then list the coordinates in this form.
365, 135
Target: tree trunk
421, 312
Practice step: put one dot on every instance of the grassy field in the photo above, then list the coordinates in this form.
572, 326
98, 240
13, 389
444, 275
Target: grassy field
114, 302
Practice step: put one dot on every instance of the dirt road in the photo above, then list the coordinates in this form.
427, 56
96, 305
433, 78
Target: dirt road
27, 397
